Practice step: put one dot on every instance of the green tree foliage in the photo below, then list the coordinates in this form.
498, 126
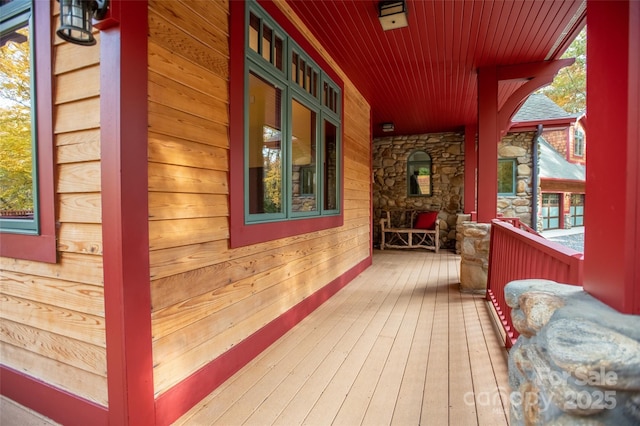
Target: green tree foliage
569, 89
16, 163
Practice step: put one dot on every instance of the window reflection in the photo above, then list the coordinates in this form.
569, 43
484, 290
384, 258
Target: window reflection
265, 147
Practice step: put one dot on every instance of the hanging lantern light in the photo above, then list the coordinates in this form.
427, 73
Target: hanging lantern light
76, 20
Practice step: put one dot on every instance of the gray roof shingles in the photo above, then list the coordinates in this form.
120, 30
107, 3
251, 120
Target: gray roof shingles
539, 107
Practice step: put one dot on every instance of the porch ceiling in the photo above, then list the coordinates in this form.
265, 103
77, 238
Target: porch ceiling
423, 77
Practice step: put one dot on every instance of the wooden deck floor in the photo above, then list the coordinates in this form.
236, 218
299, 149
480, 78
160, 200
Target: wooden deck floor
399, 345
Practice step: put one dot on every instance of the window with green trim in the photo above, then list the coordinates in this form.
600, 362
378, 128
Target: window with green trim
292, 128
18, 177
578, 143
419, 174
507, 176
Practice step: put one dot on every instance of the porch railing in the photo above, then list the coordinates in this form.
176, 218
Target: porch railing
515, 254
515, 221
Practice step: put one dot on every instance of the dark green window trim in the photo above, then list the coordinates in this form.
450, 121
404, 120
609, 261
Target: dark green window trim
507, 176
15, 15
419, 181
276, 59
578, 143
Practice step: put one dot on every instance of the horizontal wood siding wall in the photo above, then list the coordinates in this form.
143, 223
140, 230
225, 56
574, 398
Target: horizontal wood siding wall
206, 298
52, 315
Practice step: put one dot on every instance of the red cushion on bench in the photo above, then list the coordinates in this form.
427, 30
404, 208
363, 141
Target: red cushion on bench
426, 220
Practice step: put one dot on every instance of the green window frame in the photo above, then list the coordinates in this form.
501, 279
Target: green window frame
419, 182
507, 176
578, 143
19, 209
292, 146
551, 210
576, 209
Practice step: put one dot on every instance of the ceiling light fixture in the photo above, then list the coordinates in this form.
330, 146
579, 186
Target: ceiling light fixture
392, 14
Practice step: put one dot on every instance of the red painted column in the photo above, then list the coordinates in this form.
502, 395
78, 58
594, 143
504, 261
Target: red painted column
470, 168
612, 269
123, 137
487, 144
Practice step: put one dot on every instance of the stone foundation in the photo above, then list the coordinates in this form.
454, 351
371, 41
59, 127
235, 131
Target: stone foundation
519, 147
474, 256
577, 361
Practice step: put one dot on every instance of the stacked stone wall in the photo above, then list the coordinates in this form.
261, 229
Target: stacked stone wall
518, 146
576, 362
447, 173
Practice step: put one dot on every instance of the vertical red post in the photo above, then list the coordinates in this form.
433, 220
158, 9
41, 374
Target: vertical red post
470, 168
125, 228
487, 143
612, 270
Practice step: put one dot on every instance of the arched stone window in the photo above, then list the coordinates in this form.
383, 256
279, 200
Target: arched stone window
419, 174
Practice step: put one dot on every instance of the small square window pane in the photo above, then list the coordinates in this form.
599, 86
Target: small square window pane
254, 30
278, 53
267, 34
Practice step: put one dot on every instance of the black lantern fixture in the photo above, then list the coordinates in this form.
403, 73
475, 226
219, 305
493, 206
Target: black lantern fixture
76, 20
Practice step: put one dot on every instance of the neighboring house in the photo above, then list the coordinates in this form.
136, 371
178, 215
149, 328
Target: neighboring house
562, 189
560, 174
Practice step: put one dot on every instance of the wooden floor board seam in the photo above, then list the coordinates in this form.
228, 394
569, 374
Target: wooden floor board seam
399, 345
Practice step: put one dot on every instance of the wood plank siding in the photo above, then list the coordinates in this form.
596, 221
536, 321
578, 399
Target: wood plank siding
400, 345
206, 297
52, 323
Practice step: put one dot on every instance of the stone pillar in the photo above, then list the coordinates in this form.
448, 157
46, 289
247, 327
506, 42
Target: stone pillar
576, 362
474, 261
460, 219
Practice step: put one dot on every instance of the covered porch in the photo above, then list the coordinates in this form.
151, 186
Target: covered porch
144, 211
399, 345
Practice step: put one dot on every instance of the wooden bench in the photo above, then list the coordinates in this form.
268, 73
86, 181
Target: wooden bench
399, 231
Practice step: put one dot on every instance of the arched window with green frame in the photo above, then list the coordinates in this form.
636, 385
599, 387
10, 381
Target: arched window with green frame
419, 174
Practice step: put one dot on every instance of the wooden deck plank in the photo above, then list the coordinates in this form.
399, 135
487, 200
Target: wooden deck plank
411, 393
461, 409
496, 357
335, 380
435, 405
360, 396
399, 345
383, 402
14, 414
219, 401
283, 382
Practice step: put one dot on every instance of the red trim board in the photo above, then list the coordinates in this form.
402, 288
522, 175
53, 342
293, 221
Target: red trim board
54, 403
179, 399
125, 230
